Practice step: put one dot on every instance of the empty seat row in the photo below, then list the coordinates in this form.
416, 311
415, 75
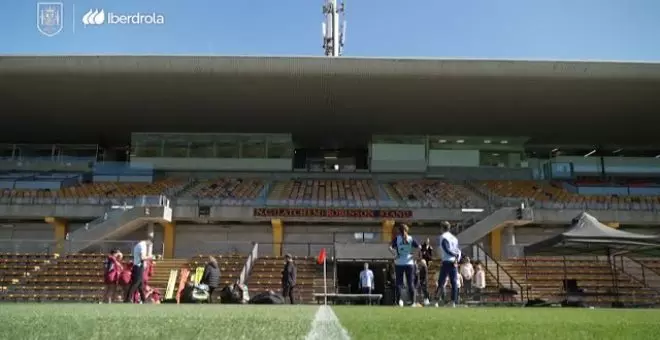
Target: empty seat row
553, 195
229, 191
435, 194
359, 193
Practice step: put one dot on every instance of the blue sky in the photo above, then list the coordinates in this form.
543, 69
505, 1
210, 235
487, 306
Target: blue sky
518, 29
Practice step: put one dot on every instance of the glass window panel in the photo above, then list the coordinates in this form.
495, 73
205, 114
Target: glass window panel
201, 149
148, 148
36, 150
177, 149
493, 158
6, 151
398, 139
280, 150
226, 148
254, 148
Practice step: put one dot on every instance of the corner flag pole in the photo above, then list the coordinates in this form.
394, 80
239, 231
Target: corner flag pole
325, 280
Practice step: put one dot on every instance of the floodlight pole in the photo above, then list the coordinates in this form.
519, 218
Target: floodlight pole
334, 33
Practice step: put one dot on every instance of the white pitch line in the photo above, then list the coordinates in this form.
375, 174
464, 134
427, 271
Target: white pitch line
326, 326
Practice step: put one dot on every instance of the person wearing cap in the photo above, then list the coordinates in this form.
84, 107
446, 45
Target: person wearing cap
289, 278
141, 256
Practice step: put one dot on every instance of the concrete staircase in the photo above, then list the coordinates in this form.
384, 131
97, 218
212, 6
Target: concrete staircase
120, 221
471, 234
640, 272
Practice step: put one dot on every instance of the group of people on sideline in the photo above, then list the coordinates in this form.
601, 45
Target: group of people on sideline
458, 276
457, 273
130, 279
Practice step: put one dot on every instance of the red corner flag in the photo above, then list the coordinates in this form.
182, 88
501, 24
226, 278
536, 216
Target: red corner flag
321, 257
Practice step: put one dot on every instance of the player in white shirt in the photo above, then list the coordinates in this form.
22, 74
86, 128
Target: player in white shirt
366, 280
404, 263
141, 254
451, 255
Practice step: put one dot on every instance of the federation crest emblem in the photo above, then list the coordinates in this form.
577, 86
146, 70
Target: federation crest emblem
50, 18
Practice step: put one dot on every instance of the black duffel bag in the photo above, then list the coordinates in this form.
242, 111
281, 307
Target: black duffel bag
231, 294
267, 298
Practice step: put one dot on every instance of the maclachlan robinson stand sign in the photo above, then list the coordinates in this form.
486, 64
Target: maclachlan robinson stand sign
332, 213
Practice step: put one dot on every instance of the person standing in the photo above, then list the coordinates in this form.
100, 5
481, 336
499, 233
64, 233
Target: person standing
403, 247
423, 280
289, 278
427, 251
141, 255
211, 276
366, 280
451, 255
112, 270
479, 281
467, 273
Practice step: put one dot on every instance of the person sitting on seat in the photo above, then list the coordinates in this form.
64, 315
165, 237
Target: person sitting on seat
211, 276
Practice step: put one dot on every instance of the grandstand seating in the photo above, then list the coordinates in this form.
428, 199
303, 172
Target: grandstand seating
110, 191
230, 266
435, 194
15, 267
327, 193
358, 193
652, 263
79, 277
75, 277
267, 275
489, 294
227, 191
545, 275
553, 195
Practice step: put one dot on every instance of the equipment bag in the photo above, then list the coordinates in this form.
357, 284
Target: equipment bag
267, 298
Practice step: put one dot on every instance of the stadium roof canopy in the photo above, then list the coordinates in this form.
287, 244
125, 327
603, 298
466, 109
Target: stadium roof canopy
79, 98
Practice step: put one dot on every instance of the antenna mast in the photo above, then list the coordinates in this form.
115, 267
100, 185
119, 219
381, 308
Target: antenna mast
334, 34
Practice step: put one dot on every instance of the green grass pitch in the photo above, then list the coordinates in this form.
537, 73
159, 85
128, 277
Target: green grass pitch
161, 322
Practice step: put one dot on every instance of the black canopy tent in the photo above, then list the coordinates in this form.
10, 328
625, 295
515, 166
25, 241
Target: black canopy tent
587, 236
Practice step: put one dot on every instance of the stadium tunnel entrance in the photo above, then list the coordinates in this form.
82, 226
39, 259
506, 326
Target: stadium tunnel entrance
348, 277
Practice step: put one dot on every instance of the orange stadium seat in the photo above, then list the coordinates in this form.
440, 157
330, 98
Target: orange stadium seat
544, 276
227, 191
552, 195
110, 191
359, 193
266, 275
435, 194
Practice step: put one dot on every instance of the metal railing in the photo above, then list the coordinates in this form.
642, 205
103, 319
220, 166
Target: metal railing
500, 274
104, 201
51, 247
632, 268
470, 221
491, 202
341, 204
